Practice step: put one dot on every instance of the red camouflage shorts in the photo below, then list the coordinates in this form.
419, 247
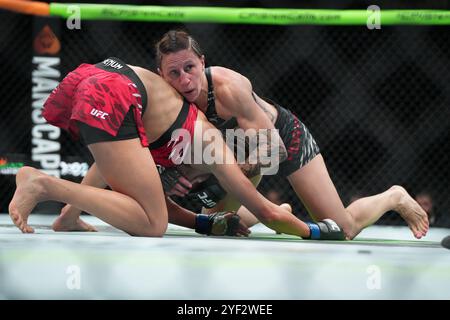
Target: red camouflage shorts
98, 98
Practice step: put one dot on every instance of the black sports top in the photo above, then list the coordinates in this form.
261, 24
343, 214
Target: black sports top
211, 112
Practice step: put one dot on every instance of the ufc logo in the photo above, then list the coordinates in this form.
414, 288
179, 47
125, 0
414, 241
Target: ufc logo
98, 113
204, 198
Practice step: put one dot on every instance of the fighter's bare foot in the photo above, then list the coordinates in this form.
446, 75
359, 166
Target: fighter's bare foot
28, 193
411, 211
67, 222
61, 224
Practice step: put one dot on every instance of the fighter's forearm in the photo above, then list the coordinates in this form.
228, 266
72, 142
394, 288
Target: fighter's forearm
179, 215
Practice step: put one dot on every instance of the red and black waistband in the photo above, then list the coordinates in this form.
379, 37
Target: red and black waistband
116, 65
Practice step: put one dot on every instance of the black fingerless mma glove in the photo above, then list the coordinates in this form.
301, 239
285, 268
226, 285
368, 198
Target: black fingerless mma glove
216, 224
326, 229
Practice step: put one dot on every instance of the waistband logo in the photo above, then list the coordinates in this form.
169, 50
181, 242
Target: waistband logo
112, 63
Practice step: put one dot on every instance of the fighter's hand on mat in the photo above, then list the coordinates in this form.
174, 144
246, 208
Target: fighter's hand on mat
326, 229
221, 224
241, 230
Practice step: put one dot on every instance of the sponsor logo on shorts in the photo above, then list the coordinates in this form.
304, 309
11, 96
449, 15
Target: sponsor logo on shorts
112, 63
99, 114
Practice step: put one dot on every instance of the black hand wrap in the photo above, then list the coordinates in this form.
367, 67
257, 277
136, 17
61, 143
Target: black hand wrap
169, 178
208, 193
326, 229
216, 224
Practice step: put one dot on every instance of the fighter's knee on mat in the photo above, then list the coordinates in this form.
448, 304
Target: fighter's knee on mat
349, 235
156, 229
350, 229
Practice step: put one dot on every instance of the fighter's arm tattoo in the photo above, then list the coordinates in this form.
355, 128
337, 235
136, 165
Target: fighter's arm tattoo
269, 114
269, 143
251, 170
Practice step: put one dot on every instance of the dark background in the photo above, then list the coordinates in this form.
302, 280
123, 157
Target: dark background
377, 101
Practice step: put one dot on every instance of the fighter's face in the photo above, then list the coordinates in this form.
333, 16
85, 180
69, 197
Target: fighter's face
183, 70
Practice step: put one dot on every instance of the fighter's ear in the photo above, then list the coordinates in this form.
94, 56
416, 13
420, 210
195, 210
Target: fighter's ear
202, 59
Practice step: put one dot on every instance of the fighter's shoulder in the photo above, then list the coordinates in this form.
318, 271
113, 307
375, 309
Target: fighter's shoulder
228, 84
223, 76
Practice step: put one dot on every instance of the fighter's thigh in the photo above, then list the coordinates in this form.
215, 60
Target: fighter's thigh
313, 185
128, 168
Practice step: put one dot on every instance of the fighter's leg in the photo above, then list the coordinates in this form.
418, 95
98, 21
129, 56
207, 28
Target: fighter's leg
136, 204
69, 218
314, 187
